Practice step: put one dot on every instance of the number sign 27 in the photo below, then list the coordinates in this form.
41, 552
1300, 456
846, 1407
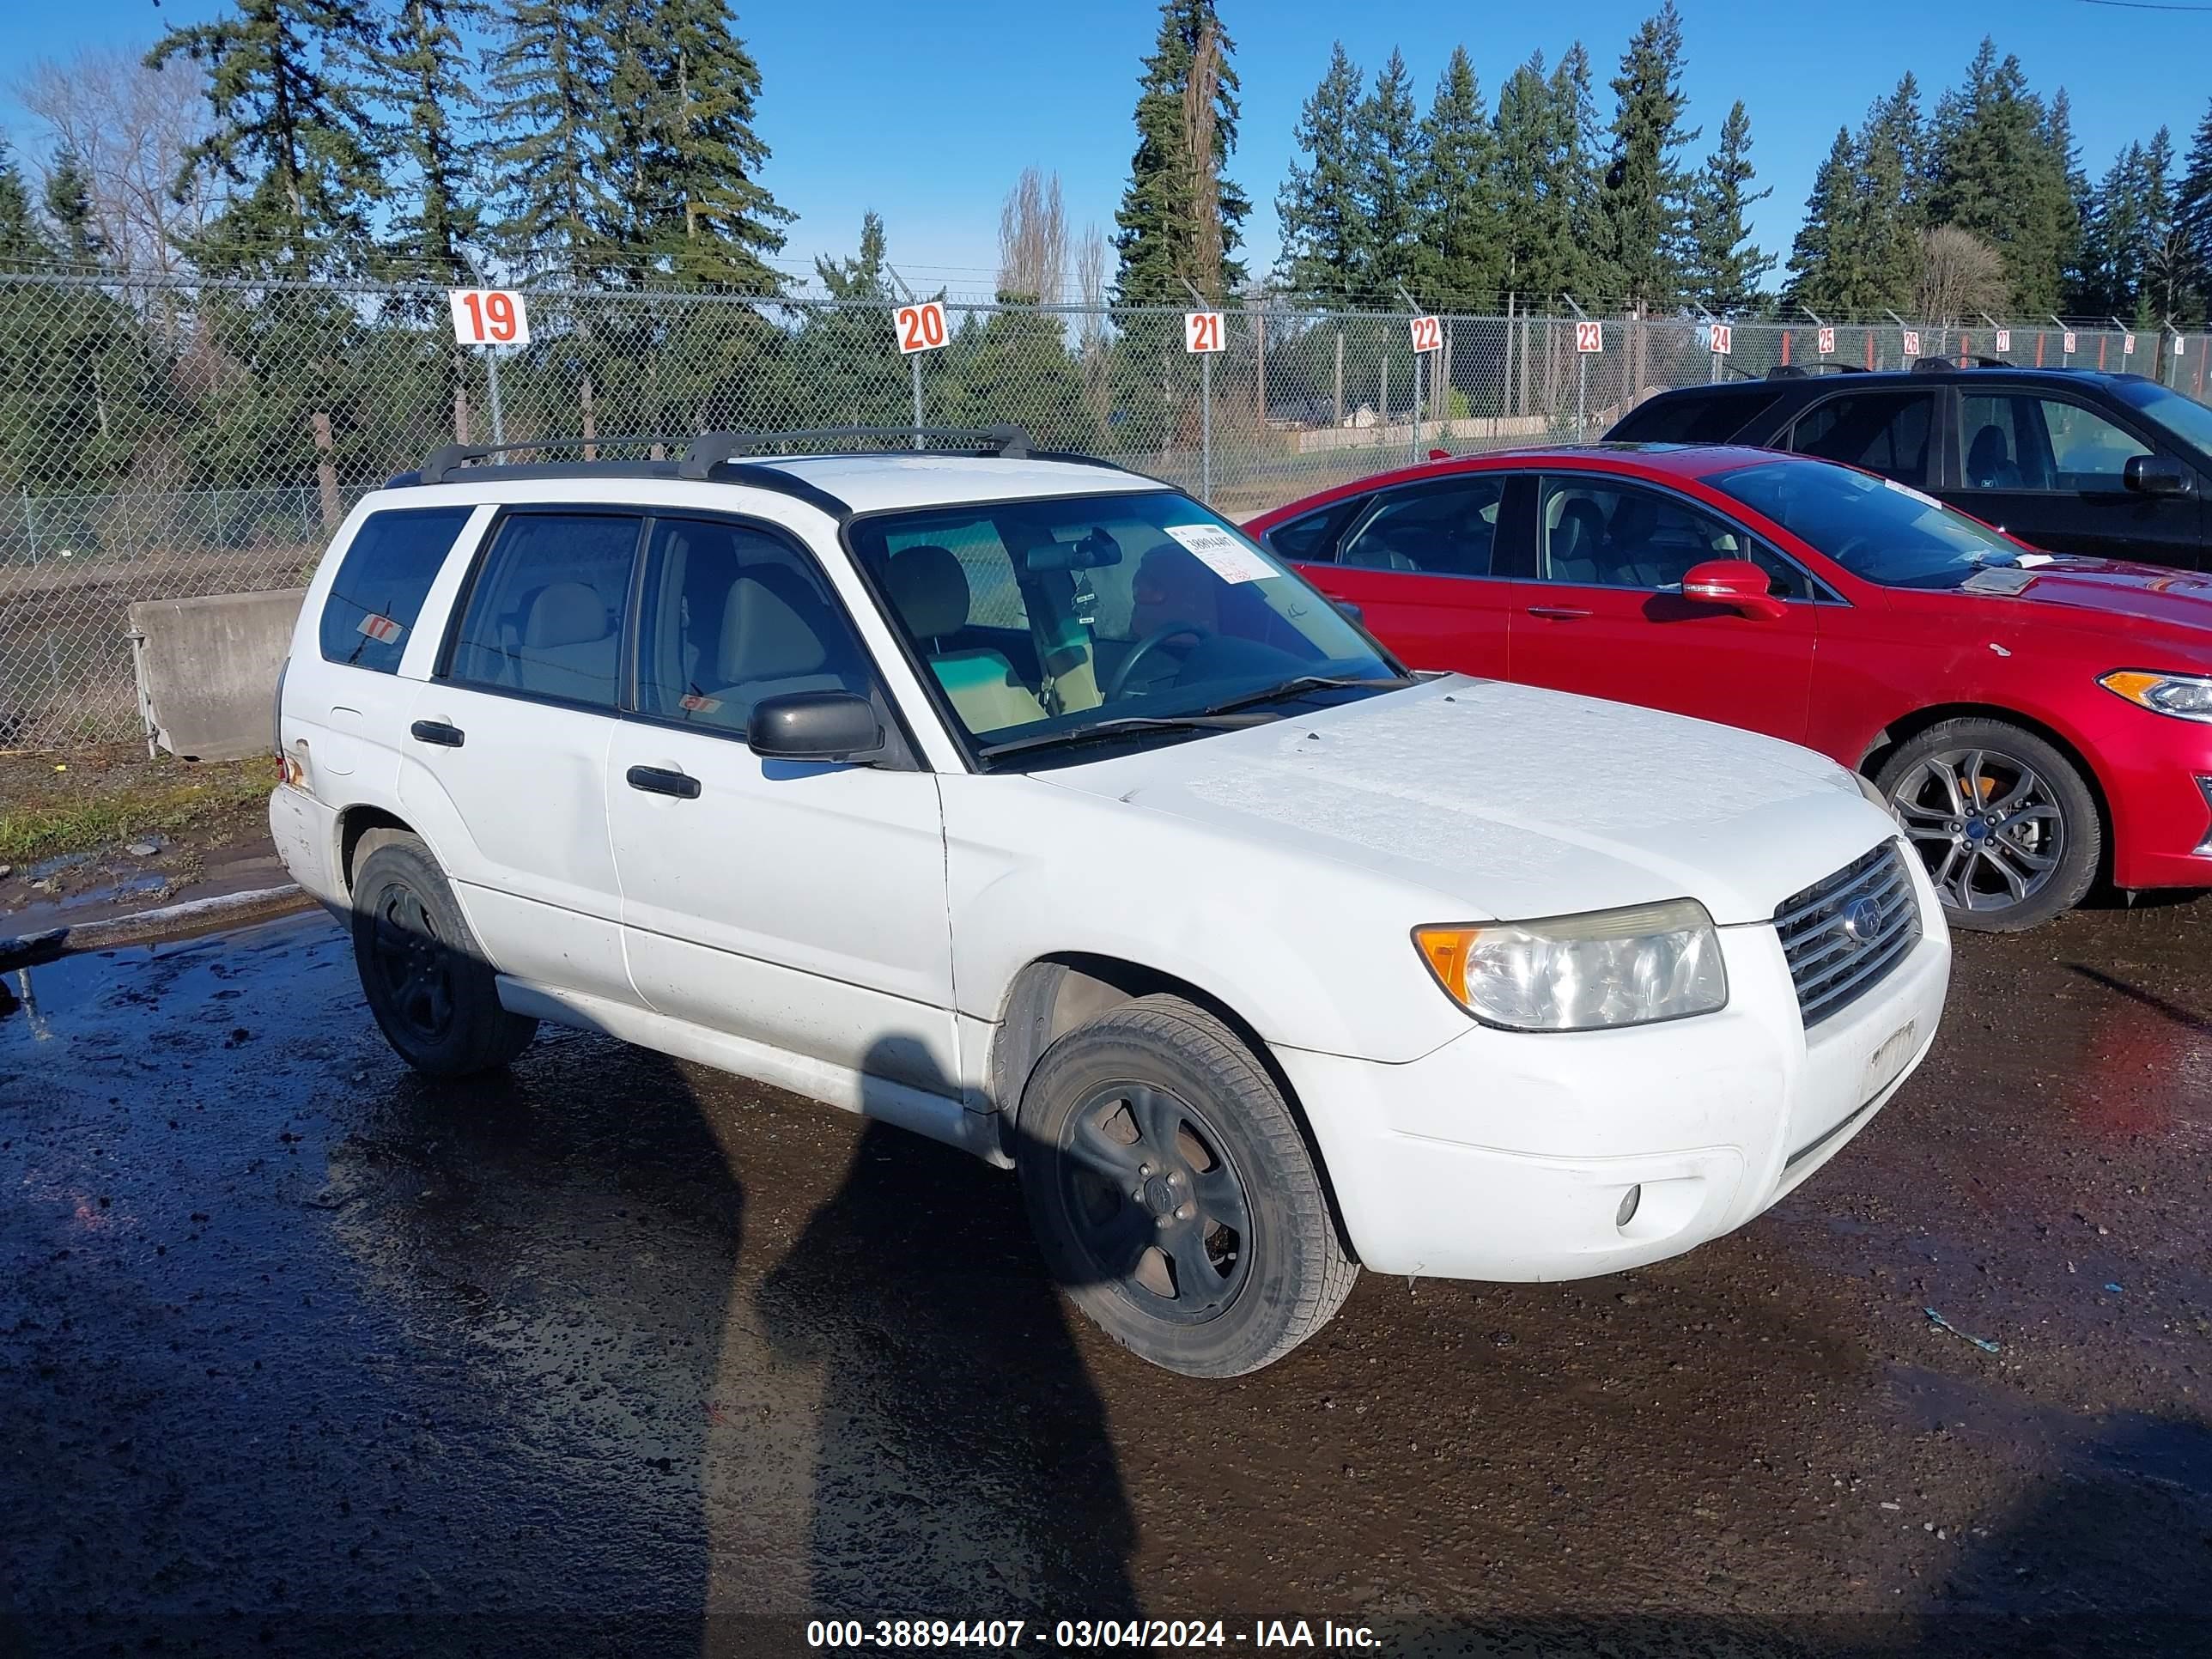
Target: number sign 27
919, 328
488, 316
1201, 330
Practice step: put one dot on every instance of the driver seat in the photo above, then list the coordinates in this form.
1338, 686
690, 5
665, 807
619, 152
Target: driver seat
929, 590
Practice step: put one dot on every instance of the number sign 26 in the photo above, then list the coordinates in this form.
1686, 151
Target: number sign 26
1201, 330
1428, 334
488, 316
921, 328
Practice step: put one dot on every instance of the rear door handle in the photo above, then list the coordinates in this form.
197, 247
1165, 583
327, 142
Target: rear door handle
437, 732
1557, 612
659, 780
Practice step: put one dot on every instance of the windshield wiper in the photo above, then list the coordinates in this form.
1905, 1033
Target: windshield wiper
1207, 720
1306, 683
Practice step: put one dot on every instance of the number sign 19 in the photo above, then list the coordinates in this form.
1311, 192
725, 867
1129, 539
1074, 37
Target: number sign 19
1589, 335
1826, 340
1428, 334
488, 316
919, 328
1201, 330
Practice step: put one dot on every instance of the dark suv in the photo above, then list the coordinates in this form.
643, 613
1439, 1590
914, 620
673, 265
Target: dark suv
2115, 465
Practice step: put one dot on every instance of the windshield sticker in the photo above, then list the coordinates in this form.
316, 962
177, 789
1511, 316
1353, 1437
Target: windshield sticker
1907, 490
698, 703
1997, 579
382, 630
1221, 552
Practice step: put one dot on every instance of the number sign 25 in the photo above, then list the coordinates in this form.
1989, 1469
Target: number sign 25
1428, 334
921, 328
1201, 330
488, 316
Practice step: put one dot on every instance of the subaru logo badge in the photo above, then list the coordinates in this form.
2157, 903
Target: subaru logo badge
1862, 920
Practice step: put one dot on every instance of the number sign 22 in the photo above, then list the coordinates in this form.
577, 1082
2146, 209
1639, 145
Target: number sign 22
921, 328
488, 316
1428, 334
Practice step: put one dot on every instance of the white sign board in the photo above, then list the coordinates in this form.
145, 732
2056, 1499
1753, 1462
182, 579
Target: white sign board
2178, 343
2127, 345
1723, 339
2066, 343
1222, 553
1590, 336
1912, 342
1428, 334
919, 328
1826, 339
2004, 339
488, 316
1201, 330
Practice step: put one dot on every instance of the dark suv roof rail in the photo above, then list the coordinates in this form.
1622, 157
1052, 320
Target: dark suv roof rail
710, 449
1940, 364
1802, 371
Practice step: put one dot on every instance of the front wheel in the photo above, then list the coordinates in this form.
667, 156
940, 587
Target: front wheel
1172, 1194
2004, 822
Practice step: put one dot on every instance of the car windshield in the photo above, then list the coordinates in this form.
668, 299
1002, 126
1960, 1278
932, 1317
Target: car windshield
1141, 617
2184, 418
1877, 529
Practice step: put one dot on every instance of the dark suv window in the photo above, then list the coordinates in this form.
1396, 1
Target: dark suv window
1884, 432
545, 616
379, 590
1693, 417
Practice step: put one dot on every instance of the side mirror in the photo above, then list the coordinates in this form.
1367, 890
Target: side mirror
2154, 475
1736, 583
1345, 607
815, 725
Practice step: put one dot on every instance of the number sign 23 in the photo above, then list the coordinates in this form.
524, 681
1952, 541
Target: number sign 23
921, 328
488, 316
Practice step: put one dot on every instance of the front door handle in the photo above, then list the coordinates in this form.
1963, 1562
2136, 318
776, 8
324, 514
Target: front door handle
659, 780
437, 732
1557, 613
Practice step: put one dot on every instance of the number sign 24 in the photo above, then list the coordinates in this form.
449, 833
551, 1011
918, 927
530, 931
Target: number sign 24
919, 328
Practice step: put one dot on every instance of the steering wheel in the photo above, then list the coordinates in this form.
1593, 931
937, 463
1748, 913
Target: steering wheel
1151, 642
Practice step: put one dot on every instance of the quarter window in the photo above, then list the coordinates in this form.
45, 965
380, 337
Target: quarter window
545, 616
1884, 432
1438, 530
732, 615
379, 588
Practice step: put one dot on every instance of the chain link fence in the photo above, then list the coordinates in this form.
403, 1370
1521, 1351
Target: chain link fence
163, 438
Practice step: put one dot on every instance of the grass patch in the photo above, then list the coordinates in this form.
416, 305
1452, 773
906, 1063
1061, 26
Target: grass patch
76, 819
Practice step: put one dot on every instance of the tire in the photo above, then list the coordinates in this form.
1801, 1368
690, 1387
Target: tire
2032, 849
1205, 1244
426, 979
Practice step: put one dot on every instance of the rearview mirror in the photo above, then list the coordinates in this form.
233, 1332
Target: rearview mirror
2154, 475
1737, 584
815, 725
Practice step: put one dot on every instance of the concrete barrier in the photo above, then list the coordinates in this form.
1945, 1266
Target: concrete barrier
207, 670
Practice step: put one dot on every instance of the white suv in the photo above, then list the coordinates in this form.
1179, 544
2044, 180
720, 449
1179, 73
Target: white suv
1025, 803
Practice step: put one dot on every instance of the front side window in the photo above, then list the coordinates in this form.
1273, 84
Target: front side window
732, 615
1051, 618
379, 588
1605, 535
1884, 432
2015, 440
545, 618
1436, 530
1880, 531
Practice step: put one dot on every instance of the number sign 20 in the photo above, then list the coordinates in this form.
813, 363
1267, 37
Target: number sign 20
919, 328
488, 316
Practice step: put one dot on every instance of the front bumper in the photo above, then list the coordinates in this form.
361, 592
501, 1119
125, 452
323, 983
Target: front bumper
1506, 1156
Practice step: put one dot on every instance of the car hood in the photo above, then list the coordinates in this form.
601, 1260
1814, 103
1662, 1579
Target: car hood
2079, 592
1510, 802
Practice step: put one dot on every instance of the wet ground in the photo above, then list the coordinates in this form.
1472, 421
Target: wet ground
299, 1352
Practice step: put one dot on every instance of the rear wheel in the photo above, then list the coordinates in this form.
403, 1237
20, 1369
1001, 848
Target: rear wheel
2004, 822
1172, 1194
426, 980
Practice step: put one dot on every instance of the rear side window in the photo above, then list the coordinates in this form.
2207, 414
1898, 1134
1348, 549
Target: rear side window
1692, 418
545, 618
1884, 432
1438, 530
379, 590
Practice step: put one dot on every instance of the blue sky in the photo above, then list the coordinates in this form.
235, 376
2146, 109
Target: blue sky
927, 113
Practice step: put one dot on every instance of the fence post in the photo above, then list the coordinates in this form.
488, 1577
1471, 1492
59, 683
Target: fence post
591, 421
30, 526
1260, 340
1205, 425
460, 413
1340, 374
491, 379
1383, 395
326, 474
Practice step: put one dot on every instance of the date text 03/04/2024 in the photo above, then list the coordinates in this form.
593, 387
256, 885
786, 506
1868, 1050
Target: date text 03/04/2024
1001, 1634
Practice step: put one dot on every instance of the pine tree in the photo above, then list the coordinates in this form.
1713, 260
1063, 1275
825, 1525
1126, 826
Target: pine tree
1390, 163
289, 136
2059, 136
2165, 263
2113, 247
1826, 272
421, 75
1568, 215
1458, 253
68, 205
1181, 221
1521, 143
1644, 204
1724, 267
2193, 214
549, 80
1892, 186
1996, 176
23, 244
1326, 234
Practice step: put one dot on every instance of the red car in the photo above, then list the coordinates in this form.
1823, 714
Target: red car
2035, 721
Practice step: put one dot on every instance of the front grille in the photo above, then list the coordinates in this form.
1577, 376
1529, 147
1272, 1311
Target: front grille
1843, 934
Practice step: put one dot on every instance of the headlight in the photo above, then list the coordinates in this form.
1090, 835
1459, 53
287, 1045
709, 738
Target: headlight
1650, 962
2184, 696
1867, 788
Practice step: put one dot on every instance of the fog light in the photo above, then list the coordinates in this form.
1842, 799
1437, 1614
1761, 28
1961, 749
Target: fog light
1629, 1201
2204, 787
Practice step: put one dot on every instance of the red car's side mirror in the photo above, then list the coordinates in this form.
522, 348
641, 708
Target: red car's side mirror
1738, 584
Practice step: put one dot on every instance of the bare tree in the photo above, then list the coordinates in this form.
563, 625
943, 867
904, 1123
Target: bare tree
1200, 120
1091, 284
1960, 275
1033, 240
129, 127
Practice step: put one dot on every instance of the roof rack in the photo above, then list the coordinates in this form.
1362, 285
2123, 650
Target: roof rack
1938, 364
703, 452
1803, 371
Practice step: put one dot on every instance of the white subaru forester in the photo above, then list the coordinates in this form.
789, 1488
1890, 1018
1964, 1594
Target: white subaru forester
1026, 803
